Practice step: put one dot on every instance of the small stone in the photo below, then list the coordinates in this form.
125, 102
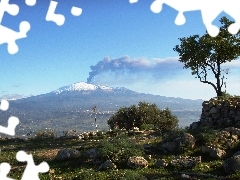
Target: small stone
107, 165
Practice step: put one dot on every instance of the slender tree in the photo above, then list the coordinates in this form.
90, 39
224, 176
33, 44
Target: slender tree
207, 54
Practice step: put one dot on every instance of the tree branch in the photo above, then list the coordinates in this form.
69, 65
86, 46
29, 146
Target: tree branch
205, 79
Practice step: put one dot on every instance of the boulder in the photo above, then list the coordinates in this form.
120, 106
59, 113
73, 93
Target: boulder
66, 154
91, 153
188, 140
137, 162
232, 164
214, 152
170, 146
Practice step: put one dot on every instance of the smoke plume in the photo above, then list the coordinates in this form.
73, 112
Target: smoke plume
134, 69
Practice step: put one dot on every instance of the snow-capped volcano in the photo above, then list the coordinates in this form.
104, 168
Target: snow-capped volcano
82, 86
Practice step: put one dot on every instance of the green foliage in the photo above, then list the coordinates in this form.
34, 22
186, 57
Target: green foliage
225, 96
143, 114
206, 54
204, 135
146, 127
132, 175
119, 149
123, 146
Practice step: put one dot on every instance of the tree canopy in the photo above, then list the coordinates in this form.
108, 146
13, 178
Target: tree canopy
204, 54
143, 114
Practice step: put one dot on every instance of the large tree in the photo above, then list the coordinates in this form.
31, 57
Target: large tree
204, 54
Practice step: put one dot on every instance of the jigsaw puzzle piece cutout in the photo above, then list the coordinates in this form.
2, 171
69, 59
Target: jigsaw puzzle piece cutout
133, 1
4, 170
208, 13
10, 130
11, 9
59, 19
231, 8
31, 171
76, 11
4, 105
30, 2
9, 36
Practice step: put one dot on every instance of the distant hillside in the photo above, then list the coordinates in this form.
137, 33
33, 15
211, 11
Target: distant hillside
73, 104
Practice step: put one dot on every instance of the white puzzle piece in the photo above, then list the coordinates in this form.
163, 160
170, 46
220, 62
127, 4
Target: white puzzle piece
7, 35
31, 171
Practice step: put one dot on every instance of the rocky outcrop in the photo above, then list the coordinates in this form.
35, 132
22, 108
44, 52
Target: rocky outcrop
220, 113
186, 140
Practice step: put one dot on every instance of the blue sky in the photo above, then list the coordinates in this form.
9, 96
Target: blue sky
138, 41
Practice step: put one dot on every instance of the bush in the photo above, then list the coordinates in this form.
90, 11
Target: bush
141, 115
47, 134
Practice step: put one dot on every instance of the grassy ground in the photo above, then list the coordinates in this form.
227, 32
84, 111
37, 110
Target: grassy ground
83, 168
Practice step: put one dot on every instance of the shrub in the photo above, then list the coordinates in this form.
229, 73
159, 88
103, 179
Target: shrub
45, 134
141, 115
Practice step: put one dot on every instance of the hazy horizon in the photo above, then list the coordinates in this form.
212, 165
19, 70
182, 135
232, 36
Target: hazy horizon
112, 43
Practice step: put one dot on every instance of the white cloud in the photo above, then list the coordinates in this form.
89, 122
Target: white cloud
164, 77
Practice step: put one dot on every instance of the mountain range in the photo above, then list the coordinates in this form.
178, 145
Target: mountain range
71, 107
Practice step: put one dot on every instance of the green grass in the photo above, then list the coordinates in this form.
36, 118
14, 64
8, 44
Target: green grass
45, 149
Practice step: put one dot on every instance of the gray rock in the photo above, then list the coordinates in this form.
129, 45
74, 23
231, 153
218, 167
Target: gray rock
188, 140
74, 153
236, 153
170, 146
161, 163
107, 165
137, 162
237, 118
213, 110
91, 153
66, 154
232, 164
185, 161
214, 152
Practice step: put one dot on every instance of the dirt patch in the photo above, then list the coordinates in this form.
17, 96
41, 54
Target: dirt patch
48, 154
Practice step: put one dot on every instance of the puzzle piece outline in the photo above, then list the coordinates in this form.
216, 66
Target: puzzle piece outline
7, 35
31, 168
209, 14
4, 170
12, 121
59, 19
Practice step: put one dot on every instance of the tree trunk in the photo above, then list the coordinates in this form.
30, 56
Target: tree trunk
218, 75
